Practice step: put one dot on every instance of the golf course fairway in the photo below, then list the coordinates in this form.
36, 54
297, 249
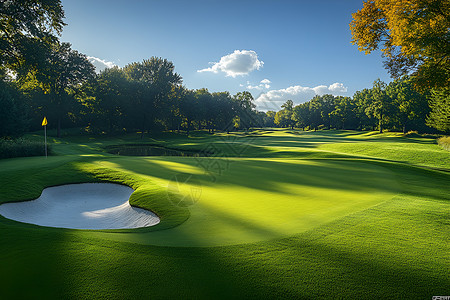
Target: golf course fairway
272, 214
256, 200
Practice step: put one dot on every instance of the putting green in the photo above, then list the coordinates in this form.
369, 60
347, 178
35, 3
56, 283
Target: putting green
252, 200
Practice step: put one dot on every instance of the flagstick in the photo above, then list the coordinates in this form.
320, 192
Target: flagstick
45, 130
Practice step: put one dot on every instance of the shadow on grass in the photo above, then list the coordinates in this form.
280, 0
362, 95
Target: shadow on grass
329, 262
269, 175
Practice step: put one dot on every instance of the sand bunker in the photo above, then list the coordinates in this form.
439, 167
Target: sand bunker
81, 206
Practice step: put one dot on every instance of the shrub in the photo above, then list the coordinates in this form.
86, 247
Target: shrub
412, 134
444, 142
21, 147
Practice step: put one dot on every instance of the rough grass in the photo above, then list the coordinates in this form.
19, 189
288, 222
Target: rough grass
444, 142
318, 224
21, 147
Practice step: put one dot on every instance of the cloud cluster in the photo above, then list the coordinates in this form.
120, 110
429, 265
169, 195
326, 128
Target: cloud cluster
272, 100
100, 64
263, 84
238, 63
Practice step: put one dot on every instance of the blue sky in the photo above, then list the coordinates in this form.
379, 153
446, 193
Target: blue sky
277, 50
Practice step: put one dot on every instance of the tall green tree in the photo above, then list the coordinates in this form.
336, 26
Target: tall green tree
315, 112
28, 28
379, 107
363, 100
225, 112
110, 92
244, 108
285, 117
439, 116
408, 105
155, 78
344, 112
327, 106
269, 119
64, 71
13, 113
189, 108
301, 115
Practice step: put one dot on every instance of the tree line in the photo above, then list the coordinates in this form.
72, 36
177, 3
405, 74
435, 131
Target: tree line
41, 76
395, 106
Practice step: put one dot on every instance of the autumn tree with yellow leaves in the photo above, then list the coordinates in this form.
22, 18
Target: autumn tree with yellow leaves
413, 36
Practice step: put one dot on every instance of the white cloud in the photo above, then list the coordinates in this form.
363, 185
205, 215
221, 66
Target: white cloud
338, 88
272, 100
264, 84
238, 63
100, 64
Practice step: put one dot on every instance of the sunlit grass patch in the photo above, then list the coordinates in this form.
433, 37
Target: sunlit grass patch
444, 142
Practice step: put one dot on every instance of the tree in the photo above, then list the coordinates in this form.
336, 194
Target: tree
65, 69
244, 107
281, 118
27, 29
327, 106
408, 104
13, 113
172, 111
439, 116
363, 100
269, 119
206, 109
379, 107
188, 108
301, 115
412, 34
155, 78
109, 91
315, 112
285, 117
225, 112
344, 111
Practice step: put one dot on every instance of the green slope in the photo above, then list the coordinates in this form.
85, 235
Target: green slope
302, 222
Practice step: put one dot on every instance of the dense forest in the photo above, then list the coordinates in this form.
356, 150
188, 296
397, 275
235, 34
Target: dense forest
41, 76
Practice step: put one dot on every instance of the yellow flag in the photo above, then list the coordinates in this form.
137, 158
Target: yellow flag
44, 122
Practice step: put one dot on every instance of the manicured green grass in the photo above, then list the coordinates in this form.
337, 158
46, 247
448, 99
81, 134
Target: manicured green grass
277, 214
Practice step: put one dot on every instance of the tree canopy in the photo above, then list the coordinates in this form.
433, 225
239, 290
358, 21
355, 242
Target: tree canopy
413, 35
27, 28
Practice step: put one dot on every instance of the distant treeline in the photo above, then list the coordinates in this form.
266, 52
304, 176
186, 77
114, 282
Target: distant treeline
149, 96
397, 106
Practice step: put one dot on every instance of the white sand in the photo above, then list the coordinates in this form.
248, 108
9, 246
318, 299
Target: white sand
81, 206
